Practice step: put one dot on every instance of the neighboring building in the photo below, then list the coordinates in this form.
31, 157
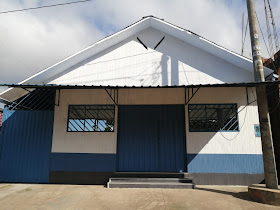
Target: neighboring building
151, 98
273, 64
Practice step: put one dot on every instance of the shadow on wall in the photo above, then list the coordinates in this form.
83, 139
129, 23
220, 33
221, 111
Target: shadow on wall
164, 71
184, 53
196, 59
174, 70
198, 140
218, 162
180, 55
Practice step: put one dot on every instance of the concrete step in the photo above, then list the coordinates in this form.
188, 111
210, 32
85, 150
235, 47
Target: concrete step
150, 175
152, 180
150, 185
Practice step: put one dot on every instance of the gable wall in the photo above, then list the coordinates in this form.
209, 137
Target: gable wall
174, 62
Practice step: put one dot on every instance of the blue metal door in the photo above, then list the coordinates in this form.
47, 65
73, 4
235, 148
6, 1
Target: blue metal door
151, 138
25, 146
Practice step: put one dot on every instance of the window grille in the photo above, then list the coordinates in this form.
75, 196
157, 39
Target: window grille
38, 99
91, 118
213, 117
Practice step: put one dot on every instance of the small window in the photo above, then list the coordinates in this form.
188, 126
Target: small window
91, 118
213, 117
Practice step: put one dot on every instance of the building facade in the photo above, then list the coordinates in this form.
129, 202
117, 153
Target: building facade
151, 98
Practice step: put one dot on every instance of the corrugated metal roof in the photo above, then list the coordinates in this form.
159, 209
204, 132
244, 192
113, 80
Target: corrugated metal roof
55, 86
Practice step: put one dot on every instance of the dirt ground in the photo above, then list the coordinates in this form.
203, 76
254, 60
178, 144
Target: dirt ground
39, 196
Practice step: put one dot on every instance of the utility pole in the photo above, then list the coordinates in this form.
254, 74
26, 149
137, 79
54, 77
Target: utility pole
266, 136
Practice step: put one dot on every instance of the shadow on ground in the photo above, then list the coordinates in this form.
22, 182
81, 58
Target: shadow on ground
241, 195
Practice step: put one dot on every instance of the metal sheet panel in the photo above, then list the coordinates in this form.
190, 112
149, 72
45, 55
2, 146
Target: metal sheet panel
151, 138
225, 163
87, 162
25, 146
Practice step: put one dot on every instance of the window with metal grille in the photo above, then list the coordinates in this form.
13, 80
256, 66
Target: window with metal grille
91, 118
213, 117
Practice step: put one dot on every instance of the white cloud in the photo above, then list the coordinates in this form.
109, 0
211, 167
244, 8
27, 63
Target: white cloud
32, 40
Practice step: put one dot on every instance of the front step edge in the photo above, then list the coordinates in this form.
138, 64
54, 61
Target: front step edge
151, 185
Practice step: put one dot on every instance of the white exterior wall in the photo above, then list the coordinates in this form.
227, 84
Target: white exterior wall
243, 142
101, 142
81, 142
174, 62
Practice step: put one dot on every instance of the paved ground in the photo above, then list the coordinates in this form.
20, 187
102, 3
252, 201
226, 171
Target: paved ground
35, 196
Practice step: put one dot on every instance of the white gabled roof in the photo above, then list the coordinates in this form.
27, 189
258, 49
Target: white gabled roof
146, 22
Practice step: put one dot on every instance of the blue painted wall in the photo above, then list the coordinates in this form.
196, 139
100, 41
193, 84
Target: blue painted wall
225, 163
83, 162
25, 144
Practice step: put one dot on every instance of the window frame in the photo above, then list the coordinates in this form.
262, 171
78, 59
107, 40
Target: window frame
207, 131
85, 131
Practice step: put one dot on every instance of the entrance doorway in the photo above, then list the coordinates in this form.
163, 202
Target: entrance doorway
151, 138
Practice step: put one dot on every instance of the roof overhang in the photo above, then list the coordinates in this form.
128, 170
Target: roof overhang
30, 87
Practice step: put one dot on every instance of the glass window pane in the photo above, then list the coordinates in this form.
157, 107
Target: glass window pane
91, 118
213, 117
197, 118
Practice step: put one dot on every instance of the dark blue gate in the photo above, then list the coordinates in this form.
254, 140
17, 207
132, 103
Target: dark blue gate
151, 138
25, 146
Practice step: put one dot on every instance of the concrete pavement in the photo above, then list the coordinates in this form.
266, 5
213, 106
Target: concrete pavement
39, 196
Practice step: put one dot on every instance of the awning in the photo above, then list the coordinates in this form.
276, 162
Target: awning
25, 88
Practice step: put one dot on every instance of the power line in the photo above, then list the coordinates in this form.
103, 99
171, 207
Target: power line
244, 38
271, 51
46, 6
271, 56
245, 115
271, 35
276, 40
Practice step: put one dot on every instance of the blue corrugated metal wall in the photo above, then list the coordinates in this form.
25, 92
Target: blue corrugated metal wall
25, 146
151, 138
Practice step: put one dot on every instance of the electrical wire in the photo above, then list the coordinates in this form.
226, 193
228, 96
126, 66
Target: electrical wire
266, 44
245, 107
46, 6
244, 39
272, 64
240, 127
275, 107
255, 97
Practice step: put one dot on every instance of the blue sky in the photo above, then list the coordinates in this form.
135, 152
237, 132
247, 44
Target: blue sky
33, 40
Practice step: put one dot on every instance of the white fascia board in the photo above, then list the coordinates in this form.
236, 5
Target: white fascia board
92, 50
206, 45
42, 76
